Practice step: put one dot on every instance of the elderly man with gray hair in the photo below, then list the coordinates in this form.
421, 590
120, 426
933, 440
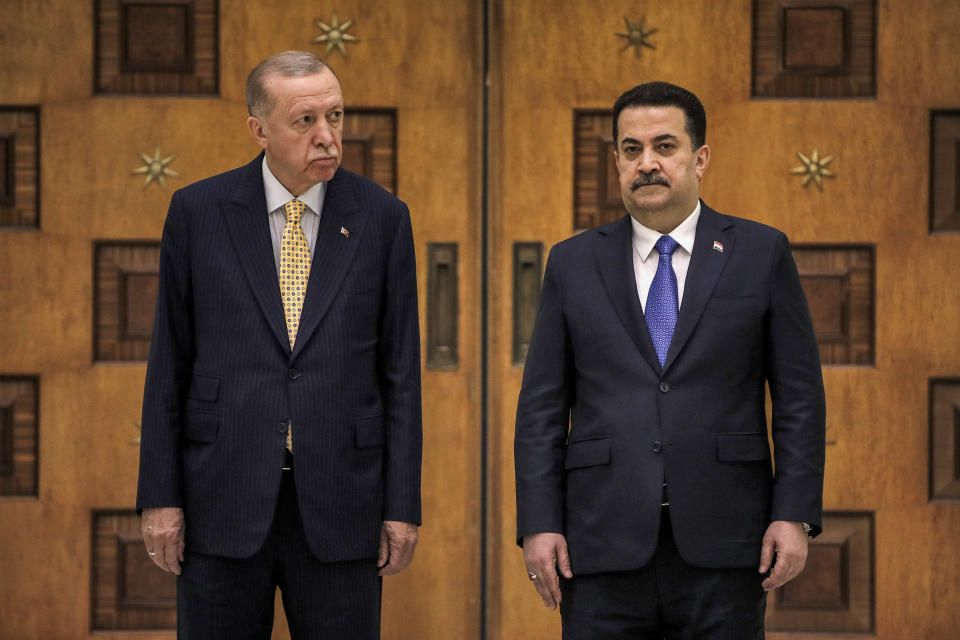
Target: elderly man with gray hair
282, 434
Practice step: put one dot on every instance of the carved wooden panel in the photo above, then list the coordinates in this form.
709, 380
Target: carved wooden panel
835, 593
370, 145
125, 297
839, 284
596, 186
527, 276
945, 170
945, 439
18, 436
814, 48
156, 46
19, 166
128, 592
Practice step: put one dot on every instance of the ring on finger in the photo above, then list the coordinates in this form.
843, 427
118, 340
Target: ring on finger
151, 553
532, 575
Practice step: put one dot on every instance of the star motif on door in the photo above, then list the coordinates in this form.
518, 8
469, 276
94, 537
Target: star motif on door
335, 35
637, 36
155, 168
814, 168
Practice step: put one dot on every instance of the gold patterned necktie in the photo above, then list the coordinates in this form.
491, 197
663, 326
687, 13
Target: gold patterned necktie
294, 273
294, 267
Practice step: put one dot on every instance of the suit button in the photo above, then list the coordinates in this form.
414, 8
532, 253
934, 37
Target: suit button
657, 447
282, 428
664, 387
293, 374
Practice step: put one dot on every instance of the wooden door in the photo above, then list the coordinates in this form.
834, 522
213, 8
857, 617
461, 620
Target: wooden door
852, 80
86, 88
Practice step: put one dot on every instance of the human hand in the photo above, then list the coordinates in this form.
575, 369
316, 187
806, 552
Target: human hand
543, 554
789, 542
162, 530
397, 543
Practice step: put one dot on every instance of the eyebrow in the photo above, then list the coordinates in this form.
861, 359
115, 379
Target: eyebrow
662, 137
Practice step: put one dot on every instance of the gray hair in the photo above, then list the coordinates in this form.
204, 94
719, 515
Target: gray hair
289, 64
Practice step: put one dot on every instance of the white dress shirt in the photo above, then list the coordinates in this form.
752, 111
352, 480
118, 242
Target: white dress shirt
277, 196
646, 257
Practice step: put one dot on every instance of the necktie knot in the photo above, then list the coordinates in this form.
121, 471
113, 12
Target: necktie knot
665, 245
294, 210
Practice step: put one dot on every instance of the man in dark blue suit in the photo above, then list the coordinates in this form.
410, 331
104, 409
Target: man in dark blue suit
643, 467
281, 440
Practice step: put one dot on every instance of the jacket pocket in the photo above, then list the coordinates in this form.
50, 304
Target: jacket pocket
369, 431
743, 447
201, 426
203, 387
587, 453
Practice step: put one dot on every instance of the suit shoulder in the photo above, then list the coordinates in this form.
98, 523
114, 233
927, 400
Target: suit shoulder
748, 228
583, 242
220, 184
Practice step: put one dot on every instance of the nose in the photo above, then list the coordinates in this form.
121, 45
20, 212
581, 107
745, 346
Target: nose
648, 162
322, 134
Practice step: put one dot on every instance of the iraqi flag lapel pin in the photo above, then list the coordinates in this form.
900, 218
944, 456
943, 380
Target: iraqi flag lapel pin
717, 246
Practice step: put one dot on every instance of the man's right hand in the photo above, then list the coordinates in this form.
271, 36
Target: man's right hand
162, 530
544, 554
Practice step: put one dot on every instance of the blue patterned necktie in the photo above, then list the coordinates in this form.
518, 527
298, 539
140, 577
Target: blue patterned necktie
662, 302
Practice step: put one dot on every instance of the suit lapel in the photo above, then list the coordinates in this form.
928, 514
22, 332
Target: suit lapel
245, 218
614, 255
706, 264
332, 253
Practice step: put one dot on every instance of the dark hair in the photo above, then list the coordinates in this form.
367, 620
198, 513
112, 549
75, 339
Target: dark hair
289, 64
664, 94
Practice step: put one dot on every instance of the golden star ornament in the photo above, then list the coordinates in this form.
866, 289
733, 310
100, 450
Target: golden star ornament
335, 35
813, 168
155, 168
637, 36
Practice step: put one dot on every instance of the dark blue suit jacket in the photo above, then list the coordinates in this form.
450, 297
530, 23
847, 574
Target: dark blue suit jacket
222, 382
697, 423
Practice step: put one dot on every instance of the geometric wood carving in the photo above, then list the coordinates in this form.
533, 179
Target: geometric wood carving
19, 166
19, 399
370, 145
596, 198
527, 277
156, 47
838, 283
945, 171
945, 439
814, 48
835, 591
129, 592
125, 298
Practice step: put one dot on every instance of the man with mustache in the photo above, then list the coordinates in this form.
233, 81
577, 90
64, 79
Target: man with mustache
647, 504
281, 439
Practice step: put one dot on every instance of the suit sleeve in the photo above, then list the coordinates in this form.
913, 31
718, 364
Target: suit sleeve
399, 358
543, 415
794, 375
168, 369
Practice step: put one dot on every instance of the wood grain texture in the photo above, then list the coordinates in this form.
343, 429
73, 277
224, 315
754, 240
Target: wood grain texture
19, 167
19, 435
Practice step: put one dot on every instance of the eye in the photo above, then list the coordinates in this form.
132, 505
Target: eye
666, 146
306, 119
335, 116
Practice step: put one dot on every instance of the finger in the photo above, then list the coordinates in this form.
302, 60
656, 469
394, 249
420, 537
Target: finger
548, 585
170, 561
766, 555
778, 576
384, 552
563, 561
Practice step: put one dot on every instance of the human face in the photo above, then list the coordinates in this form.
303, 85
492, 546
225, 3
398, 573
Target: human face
303, 136
659, 170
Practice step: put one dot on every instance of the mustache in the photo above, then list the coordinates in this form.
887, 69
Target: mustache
648, 179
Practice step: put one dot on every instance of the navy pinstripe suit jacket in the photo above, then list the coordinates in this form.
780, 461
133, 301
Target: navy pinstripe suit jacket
222, 381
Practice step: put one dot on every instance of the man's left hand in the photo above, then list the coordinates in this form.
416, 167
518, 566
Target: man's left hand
789, 542
397, 542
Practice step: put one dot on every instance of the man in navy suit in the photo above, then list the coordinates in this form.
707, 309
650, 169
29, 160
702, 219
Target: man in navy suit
643, 467
281, 441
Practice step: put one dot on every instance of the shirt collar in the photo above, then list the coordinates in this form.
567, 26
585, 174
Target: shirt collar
277, 194
644, 237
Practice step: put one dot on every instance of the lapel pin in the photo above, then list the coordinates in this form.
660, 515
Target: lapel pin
717, 247
346, 232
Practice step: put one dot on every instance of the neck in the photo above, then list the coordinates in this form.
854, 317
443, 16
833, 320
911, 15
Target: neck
661, 221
